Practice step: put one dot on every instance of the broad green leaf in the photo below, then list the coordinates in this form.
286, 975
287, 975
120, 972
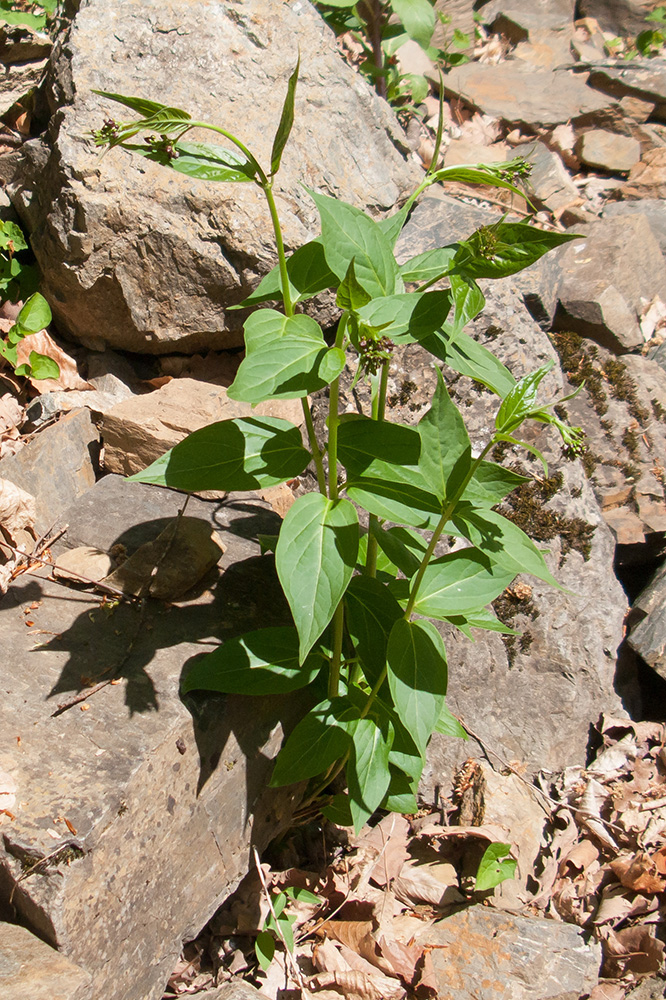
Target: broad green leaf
502, 541
351, 295
403, 547
384, 565
417, 676
368, 772
371, 613
246, 453
331, 364
34, 316
365, 446
479, 174
139, 104
261, 662
282, 360
401, 794
37, 22
466, 356
286, 121
481, 619
446, 453
308, 274
448, 725
203, 161
338, 810
395, 501
348, 234
408, 316
317, 742
41, 366
522, 398
315, 558
495, 866
418, 17
392, 225
468, 301
429, 265
491, 483
11, 233
460, 582
404, 754
523, 444
264, 948
505, 248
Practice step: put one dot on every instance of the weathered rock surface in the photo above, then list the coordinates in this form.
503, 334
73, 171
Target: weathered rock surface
549, 184
480, 952
140, 429
653, 209
645, 80
140, 780
57, 466
607, 279
555, 16
145, 259
648, 637
516, 92
622, 17
648, 178
31, 970
83, 564
608, 151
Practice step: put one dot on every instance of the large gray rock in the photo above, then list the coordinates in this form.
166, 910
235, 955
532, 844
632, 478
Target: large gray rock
622, 17
145, 259
645, 80
156, 801
31, 969
607, 279
516, 92
653, 209
482, 953
648, 636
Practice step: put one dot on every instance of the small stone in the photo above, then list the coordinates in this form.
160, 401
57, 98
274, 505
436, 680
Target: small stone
608, 151
31, 970
181, 555
83, 564
648, 177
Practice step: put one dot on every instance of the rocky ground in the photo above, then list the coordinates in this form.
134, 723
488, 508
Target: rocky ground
129, 817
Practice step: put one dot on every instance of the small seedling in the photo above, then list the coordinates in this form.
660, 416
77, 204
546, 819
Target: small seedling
496, 866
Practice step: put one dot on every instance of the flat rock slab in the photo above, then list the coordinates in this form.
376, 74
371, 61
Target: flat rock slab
31, 970
516, 92
57, 466
645, 80
480, 954
150, 802
648, 637
654, 210
146, 259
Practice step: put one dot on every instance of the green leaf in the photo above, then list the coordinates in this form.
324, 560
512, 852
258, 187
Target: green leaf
482, 619
407, 316
417, 676
351, 295
308, 274
368, 774
418, 17
282, 360
460, 582
468, 300
34, 316
315, 558
203, 161
480, 174
371, 612
317, 742
403, 547
395, 501
369, 446
491, 483
246, 453
429, 265
448, 725
522, 398
523, 444
446, 453
11, 233
264, 947
495, 867
348, 234
505, 248
392, 225
332, 364
338, 810
401, 795
41, 366
139, 104
286, 121
37, 22
261, 662
466, 356
502, 541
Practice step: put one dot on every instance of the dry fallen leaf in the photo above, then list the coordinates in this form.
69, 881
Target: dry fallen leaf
17, 509
43, 343
638, 872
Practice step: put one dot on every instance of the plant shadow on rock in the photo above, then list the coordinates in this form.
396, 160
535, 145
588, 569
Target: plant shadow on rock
121, 640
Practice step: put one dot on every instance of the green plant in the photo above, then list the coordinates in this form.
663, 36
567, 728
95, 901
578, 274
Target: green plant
495, 866
648, 43
381, 27
33, 15
279, 924
17, 279
34, 316
363, 642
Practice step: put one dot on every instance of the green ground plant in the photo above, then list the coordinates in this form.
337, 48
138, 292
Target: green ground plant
381, 27
35, 315
363, 644
37, 16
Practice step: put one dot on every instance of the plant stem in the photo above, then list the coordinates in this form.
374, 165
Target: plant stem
371, 11
334, 418
336, 659
378, 412
314, 445
279, 243
261, 179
